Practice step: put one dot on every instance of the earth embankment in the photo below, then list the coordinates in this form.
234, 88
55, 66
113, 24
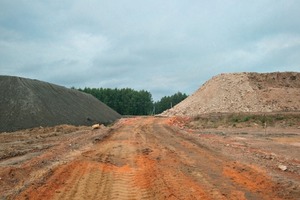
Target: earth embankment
243, 92
27, 103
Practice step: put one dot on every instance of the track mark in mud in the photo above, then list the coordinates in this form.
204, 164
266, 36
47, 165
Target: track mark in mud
250, 178
144, 159
92, 180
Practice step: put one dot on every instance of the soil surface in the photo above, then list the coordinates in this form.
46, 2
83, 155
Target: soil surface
243, 92
150, 158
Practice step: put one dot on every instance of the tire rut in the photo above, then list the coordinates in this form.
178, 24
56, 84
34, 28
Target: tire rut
145, 159
108, 171
219, 176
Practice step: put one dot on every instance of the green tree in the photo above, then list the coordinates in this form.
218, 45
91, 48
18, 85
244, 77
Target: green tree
125, 101
168, 102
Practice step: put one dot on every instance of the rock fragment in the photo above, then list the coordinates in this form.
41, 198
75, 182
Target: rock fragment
282, 167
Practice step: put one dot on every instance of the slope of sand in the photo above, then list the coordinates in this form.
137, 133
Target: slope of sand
26, 103
243, 92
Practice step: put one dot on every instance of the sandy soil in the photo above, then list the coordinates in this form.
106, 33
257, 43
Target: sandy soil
243, 92
150, 158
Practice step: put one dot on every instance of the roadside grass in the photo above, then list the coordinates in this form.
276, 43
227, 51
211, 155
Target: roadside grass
240, 120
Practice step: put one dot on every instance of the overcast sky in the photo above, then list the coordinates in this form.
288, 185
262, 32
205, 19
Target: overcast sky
161, 46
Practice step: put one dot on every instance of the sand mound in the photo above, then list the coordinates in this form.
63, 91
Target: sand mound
26, 103
243, 92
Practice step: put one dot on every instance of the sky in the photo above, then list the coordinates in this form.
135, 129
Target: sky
162, 46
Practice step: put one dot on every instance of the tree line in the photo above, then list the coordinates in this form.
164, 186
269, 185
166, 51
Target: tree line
127, 101
167, 102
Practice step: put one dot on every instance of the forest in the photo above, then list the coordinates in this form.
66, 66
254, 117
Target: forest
127, 101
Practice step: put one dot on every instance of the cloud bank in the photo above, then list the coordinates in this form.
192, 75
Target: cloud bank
159, 46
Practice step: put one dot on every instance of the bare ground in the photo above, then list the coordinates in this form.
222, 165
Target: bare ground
150, 158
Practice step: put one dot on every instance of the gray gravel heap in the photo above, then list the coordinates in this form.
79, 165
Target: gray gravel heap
27, 103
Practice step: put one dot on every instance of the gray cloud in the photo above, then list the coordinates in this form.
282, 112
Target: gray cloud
160, 46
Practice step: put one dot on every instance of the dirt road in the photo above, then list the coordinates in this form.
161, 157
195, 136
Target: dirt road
147, 158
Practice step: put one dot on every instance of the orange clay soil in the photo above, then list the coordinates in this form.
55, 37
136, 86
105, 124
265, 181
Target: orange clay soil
146, 158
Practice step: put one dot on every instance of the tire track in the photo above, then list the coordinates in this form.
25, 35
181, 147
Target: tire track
144, 159
109, 171
205, 171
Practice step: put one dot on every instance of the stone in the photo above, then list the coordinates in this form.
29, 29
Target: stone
282, 167
96, 126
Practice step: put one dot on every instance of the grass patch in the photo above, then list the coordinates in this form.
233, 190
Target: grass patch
216, 120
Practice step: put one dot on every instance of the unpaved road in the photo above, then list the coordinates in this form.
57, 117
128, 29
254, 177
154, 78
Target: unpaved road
146, 158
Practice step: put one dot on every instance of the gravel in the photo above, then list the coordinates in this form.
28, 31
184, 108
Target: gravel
27, 103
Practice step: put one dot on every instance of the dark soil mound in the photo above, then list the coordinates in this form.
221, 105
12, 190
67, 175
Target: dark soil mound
26, 103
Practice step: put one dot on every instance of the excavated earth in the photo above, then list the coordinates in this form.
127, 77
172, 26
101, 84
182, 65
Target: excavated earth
27, 103
150, 158
243, 92
215, 154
